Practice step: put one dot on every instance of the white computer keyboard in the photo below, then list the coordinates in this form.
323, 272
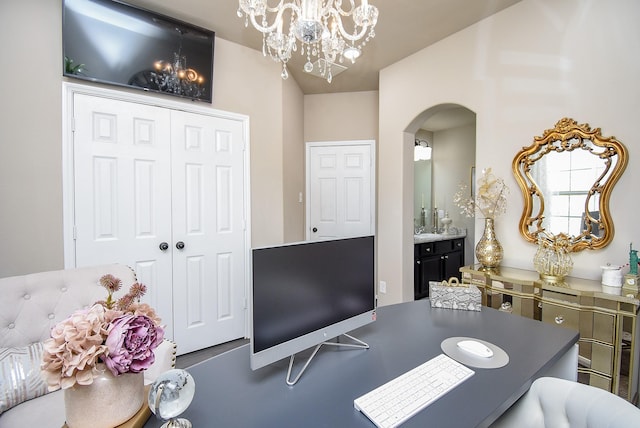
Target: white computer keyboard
399, 399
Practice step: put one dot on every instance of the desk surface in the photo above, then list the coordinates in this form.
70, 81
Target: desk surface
229, 394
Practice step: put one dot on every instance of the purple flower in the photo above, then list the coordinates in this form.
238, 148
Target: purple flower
130, 343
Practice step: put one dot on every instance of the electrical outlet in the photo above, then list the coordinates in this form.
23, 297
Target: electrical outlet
383, 287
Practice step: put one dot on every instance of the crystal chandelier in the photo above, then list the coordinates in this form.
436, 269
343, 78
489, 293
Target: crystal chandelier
317, 24
175, 77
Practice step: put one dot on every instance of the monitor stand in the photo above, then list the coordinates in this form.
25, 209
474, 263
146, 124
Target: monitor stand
359, 344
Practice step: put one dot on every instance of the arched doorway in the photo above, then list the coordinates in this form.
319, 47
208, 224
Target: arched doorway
450, 132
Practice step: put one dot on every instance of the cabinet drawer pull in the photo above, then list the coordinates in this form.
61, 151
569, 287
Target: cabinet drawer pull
417, 261
559, 319
506, 307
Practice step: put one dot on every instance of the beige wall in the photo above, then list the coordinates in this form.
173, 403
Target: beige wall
453, 156
520, 71
340, 117
293, 162
31, 134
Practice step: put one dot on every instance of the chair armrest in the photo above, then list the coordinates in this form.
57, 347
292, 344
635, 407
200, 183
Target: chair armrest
165, 360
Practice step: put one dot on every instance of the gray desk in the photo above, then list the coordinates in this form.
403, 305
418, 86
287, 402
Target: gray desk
229, 394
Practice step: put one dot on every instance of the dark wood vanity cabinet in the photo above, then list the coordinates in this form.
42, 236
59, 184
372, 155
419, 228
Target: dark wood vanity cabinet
436, 261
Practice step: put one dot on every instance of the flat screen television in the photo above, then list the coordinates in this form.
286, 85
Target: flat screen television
112, 42
304, 294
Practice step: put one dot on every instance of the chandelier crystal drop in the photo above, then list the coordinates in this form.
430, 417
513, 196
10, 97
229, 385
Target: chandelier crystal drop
328, 30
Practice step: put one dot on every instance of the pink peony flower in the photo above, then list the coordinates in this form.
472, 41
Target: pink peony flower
130, 343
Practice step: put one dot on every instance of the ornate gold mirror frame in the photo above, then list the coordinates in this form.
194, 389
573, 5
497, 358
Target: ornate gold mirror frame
596, 228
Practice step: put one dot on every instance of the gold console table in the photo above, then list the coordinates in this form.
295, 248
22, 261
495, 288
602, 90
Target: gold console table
606, 317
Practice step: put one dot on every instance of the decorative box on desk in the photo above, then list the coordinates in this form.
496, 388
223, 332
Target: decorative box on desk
609, 354
453, 295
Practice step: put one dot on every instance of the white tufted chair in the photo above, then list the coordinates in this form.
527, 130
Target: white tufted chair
560, 403
31, 304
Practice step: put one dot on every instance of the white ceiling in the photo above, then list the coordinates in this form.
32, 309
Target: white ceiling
404, 27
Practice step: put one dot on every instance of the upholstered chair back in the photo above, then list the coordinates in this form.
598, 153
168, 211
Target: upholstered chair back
552, 402
30, 305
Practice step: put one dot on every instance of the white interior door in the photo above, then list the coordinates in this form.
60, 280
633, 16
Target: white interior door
122, 192
145, 176
340, 190
208, 207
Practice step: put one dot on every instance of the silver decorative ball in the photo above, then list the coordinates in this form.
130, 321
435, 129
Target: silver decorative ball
170, 395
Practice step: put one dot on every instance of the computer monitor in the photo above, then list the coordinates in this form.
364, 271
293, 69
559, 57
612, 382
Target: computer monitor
306, 293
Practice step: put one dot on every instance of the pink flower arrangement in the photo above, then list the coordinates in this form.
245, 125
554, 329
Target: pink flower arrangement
120, 333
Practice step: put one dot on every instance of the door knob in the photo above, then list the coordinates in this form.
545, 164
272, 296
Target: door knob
164, 246
314, 230
179, 245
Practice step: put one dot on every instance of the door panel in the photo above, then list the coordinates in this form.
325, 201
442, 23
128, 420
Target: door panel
339, 190
208, 218
122, 192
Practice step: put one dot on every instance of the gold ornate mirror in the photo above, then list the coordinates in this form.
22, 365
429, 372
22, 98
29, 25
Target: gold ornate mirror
566, 178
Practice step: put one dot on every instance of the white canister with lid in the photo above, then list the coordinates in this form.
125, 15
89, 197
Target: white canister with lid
611, 275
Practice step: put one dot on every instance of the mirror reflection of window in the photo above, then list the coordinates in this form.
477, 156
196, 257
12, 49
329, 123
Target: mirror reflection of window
567, 178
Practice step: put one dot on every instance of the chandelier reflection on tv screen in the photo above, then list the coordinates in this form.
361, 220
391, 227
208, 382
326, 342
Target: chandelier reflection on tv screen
176, 77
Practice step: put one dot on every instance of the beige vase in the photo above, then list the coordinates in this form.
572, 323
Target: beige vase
488, 250
108, 402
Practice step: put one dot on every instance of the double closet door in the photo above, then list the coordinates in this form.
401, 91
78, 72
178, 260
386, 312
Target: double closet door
163, 191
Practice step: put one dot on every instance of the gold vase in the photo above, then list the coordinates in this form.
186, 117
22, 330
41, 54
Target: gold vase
488, 250
108, 402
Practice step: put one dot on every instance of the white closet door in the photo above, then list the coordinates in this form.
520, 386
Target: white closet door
146, 176
122, 192
208, 218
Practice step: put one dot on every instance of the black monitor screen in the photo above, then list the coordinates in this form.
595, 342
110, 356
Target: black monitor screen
302, 288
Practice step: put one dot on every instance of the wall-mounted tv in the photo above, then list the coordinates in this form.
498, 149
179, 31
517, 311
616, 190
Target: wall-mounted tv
112, 42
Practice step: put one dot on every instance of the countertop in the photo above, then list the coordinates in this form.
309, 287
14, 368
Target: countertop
433, 237
571, 285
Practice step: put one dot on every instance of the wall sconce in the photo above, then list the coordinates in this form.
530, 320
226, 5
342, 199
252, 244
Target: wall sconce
421, 150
